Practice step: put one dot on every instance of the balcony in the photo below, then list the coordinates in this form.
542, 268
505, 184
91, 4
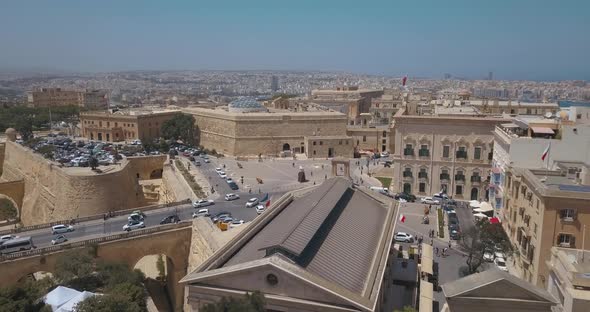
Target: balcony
424, 153
444, 176
422, 175
461, 154
408, 151
460, 177
475, 179
407, 174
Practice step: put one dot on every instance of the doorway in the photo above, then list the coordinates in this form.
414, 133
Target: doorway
286, 147
407, 188
474, 193
330, 152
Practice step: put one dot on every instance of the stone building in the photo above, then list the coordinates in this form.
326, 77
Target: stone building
349, 100
451, 154
544, 209
371, 138
53, 97
123, 125
273, 133
299, 255
568, 279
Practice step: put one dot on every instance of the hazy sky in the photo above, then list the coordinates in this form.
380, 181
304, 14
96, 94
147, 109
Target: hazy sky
516, 39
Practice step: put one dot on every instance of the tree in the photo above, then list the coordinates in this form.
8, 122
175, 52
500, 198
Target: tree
249, 303
73, 264
161, 268
133, 293
24, 297
112, 274
24, 125
93, 162
107, 303
181, 127
483, 237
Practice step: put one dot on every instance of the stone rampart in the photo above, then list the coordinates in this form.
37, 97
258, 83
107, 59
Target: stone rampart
52, 193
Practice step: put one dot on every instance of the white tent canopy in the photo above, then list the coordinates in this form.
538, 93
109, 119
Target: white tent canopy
64, 299
474, 204
485, 207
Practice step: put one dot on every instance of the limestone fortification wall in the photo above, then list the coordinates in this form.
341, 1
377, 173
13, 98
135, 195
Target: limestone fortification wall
2, 148
53, 194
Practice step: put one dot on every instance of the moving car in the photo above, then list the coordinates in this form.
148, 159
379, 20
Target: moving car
170, 219
233, 186
260, 209
201, 213
132, 225
429, 201
231, 196
236, 223
454, 234
441, 197
403, 237
61, 228
135, 216
406, 197
4, 238
59, 239
252, 202
203, 203
16, 245
501, 264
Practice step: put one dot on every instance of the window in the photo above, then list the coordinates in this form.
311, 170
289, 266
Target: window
340, 142
462, 152
459, 190
364, 138
384, 133
409, 150
567, 214
313, 142
321, 143
407, 173
384, 141
314, 152
446, 151
422, 174
116, 124
460, 176
108, 123
565, 240
422, 187
477, 153
346, 142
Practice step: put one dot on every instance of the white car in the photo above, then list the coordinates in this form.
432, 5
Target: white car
229, 180
403, 237
488, 256
231, 196
499, 254
236, 223
201, 213
132, 225
260, 209
203, 203
222, 175
4, 238
135, 216
384, 154
59, 239
61, 228
218, 170
207, 161
429, 201
252, 202
501, 264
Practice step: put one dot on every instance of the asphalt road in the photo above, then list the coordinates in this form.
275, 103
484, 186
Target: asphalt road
97, 228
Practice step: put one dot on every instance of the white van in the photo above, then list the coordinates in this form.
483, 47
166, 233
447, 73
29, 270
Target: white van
381, 190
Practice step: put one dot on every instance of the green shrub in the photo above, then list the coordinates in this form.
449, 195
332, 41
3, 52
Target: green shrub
441, 226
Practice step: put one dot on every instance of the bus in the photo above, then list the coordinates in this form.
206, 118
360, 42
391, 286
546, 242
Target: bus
16, 245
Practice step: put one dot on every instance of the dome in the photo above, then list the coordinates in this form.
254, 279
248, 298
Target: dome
11, 134
245, 105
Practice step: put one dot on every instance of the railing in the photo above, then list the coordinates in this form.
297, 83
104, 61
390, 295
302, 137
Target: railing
408, 152
461, 154
423, 153
93, 217
407, 174
444, 176
94, 241
460, 177
422, 175
476, 179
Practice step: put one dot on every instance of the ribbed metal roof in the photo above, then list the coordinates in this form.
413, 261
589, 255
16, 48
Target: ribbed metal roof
332, 232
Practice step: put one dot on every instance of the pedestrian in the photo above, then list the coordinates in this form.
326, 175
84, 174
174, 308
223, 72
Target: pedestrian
436, 251
322, 167
429, 208
293, 165
311, 173
325, 177
250, 191
450, 245
444, 253
432, 242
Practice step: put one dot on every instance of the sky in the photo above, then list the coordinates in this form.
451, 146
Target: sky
515, 39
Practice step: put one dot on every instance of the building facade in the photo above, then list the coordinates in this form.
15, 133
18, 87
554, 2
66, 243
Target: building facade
568, 279
545, 209
273, 133
123, 126
450, 154
53, 97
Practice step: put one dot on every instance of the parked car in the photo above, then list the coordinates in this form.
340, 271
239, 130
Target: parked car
197, 163
403, 237
260, 209
501, 264
488, 256
453, 225
218, 170
220, 215
429, 201
252, 202
132, 225
233, 186
222, 175
440, 197
170, 219
204, 212
203, 203
454, 234
61, 228
231, 196
59, 239
206, 160
229, 180
406, 197
236, 223
384, 154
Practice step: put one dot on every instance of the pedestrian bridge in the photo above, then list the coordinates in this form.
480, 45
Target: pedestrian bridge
171, 240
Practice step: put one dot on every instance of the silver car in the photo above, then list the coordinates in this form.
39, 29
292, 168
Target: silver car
61, 228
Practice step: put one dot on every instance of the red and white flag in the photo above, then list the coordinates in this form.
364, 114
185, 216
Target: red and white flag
402, 218
268, 203
546, 151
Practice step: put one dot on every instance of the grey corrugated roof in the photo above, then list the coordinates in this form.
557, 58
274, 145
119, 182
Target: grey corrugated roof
332, 232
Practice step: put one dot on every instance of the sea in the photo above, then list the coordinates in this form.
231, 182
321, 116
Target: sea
572, 103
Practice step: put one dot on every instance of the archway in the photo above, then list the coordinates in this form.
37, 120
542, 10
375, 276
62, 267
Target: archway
407, 188
9, 209
286, 147
474, 193
156, 174
156, 268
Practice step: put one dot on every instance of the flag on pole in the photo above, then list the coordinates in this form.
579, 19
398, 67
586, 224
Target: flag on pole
546, 151
402, 218
268, 204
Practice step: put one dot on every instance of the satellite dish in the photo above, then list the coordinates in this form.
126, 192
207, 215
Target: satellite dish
548, 115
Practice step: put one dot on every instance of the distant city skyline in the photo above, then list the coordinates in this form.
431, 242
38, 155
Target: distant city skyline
516, 40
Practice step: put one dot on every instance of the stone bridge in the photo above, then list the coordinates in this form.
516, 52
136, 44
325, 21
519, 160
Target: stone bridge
173, 241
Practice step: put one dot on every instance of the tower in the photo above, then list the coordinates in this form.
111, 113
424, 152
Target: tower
274, 83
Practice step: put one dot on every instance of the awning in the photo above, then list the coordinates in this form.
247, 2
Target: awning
427, 250
494, 220
426, 296
480, 215
426, 265
474, 204
485, 207
542, 130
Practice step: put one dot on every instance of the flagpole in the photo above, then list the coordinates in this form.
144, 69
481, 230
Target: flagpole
548, 156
